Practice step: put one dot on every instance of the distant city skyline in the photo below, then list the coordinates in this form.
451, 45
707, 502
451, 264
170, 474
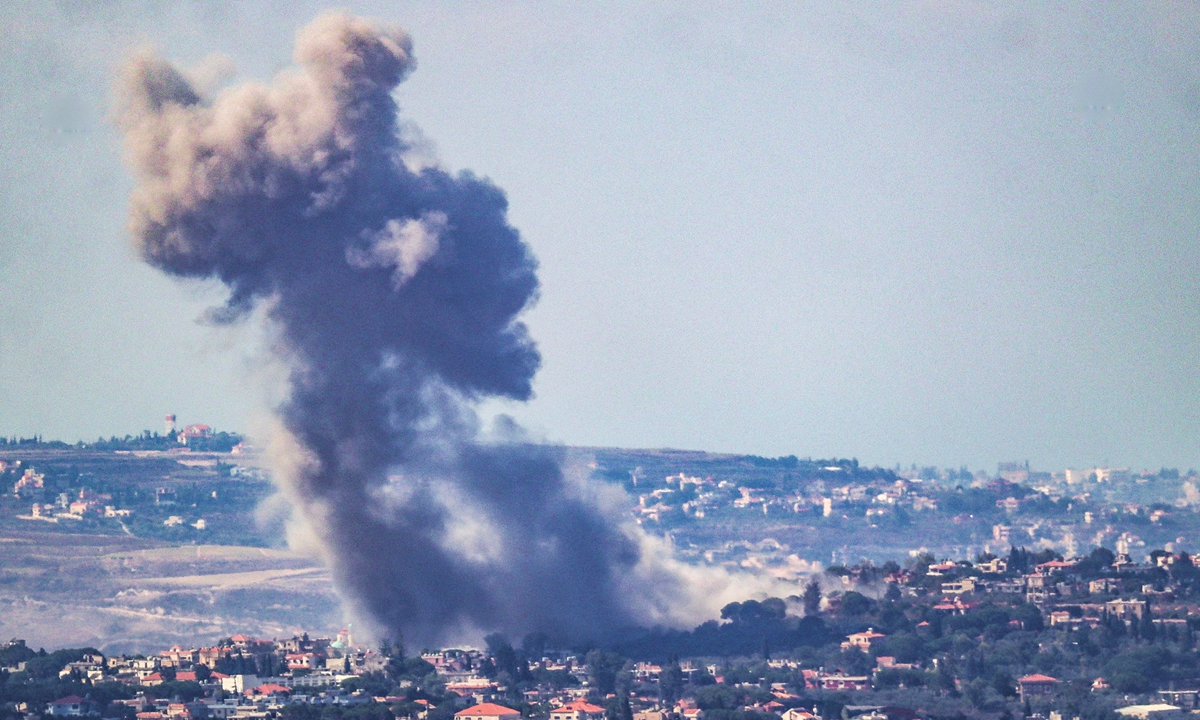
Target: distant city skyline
946, 234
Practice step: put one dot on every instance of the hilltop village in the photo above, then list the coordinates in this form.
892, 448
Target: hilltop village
782, 514
786, 516
1027, 634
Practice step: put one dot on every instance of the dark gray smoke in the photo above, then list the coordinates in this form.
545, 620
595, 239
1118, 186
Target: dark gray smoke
395, 295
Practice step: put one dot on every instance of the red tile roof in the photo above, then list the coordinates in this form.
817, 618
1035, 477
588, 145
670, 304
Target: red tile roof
1054, 564
270, 689
487, 709
579, 706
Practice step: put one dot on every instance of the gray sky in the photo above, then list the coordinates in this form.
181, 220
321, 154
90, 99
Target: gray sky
945, 232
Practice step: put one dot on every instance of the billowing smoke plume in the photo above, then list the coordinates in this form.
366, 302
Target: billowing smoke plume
395, 295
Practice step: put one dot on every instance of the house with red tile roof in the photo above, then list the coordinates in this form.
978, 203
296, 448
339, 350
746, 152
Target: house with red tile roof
69, 705
270, 689
955, 606
187, 711
1055, 565
1036, 685
302, 661
811, 679
577, 710
487, 711
845, 682
863, 640
153, 679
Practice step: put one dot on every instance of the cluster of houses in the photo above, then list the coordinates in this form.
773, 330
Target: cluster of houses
313, 671
1173, 702
87, 503
912, 489
1104, 513
310, 670
304, 670
707, 494
67, 508
1081, 585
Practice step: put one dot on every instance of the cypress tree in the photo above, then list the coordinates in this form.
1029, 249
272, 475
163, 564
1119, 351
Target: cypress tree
1149, 630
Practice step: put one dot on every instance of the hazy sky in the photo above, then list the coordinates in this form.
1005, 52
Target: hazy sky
945, 233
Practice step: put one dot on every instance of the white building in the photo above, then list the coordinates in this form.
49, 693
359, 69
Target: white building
1158, 711
238, 683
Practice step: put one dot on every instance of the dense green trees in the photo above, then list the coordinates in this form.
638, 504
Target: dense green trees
146, 440
603, 667
747, 625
